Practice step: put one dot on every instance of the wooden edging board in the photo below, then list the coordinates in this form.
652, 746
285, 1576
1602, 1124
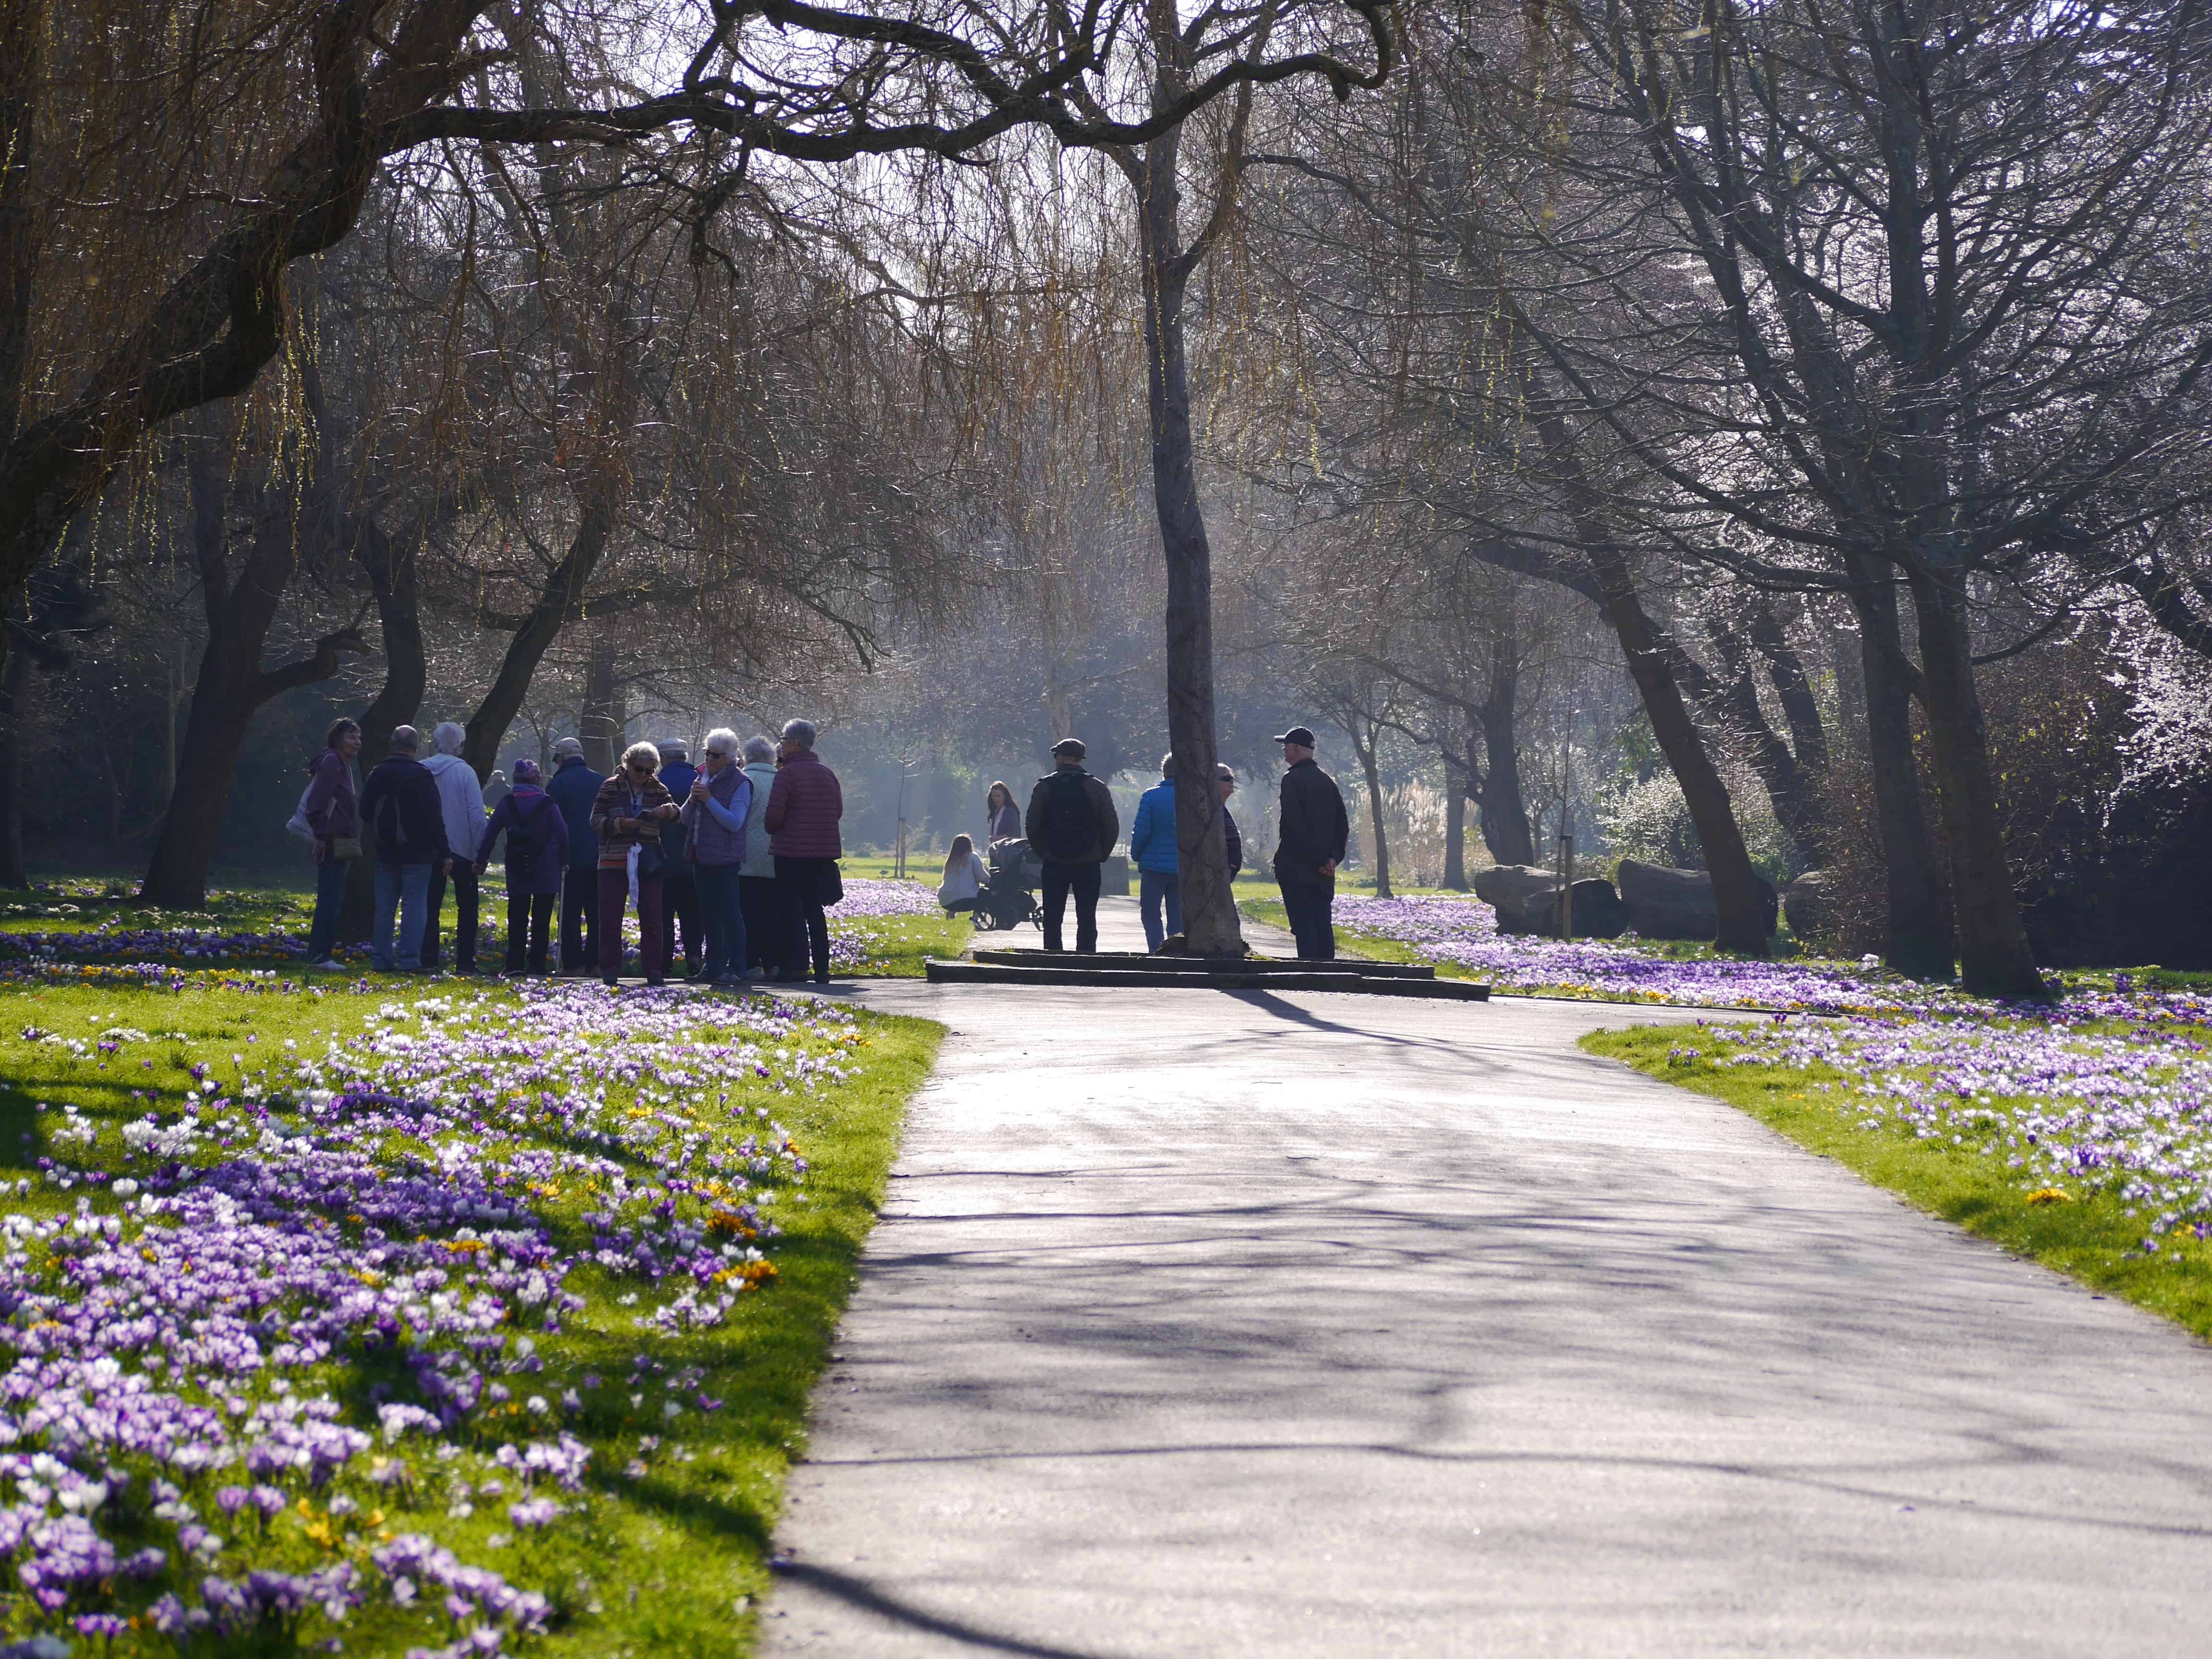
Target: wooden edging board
1132, 960
985, 973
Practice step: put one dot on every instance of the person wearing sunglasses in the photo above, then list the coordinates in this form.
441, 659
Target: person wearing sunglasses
627, 815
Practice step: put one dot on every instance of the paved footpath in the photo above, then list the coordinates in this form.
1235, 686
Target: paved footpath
1252, 1324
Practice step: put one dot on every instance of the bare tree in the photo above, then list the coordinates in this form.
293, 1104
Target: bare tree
1928, 325
253, 135
1181, 57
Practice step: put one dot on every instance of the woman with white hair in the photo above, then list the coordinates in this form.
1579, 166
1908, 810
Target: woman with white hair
627, 817
714, 816
460, 803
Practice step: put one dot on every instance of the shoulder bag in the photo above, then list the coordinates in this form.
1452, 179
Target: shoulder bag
651, 861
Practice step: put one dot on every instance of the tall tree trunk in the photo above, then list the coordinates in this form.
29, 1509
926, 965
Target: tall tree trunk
232, 684
1209, 905
1808, 735
22, 37
1506, 831
1995, 959
1370, 770
1739, 896
1918, 940
560, 597
1456, 790
1733, 702
391, 569
598, 723
1505, 828
222, 706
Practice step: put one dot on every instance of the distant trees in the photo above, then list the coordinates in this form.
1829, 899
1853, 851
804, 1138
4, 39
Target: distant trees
1884, 308
1839, 367
168, 160
1880, 302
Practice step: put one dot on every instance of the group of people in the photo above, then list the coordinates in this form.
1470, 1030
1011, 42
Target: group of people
740, 854
1071, 826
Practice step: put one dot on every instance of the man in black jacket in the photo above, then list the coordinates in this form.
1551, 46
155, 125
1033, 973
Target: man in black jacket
1315, 830
400, 803
1072, 826
573, 787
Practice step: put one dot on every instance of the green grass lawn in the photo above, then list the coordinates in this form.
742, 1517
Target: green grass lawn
82, 904
665, 1551
896, 947
2092, 1235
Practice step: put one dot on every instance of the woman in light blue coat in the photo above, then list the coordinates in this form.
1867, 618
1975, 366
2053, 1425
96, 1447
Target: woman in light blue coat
766, 942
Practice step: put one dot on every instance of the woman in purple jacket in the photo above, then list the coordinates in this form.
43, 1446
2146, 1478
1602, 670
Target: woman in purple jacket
714, 820
537, 852
333, 812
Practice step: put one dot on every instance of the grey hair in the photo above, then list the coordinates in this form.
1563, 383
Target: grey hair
759, 750
448, 738
569, 749
673, 748
405, 739
799, 734
721, 741
1166, 765
644, 749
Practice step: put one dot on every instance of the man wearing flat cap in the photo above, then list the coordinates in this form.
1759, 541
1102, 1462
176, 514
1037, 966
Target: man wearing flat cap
1314, 830
1072, 825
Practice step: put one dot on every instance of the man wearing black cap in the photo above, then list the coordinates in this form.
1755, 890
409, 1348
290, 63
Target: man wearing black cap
1314, 832
1072, 825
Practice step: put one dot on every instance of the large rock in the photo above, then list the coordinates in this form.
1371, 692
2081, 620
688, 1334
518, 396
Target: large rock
1598, 912
1510, 886
1809, 901
1666, 903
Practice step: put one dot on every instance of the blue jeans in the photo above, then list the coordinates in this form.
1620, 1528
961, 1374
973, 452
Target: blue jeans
329, 900
395, 883
1158, 890
716, 888
1307, 911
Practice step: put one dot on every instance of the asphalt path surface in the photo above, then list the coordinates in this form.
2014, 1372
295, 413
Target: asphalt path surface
1204, 1323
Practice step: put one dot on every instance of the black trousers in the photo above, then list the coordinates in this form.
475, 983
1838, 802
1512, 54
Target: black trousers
679, 902
580, 919
529, 916
767, 942
1308, 908
800, 883
464, 901
1060, 880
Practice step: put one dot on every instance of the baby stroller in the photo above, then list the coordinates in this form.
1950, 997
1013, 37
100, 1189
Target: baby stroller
1006, 901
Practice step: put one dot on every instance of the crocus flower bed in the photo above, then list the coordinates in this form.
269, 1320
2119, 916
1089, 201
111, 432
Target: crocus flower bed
2070, 1108
867, 934
180, 946
1462, 934
375, 1331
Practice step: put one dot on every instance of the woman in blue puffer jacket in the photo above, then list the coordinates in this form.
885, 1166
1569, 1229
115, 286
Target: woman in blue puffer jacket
1152, 850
